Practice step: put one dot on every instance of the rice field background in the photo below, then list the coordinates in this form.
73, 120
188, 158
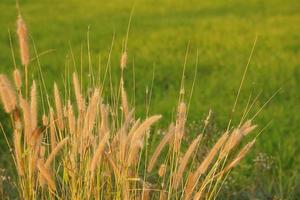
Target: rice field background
220, 32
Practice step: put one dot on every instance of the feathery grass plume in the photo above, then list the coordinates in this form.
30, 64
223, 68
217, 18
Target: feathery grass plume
54, 152
52, 130
123, 62
139, 132
18, 152
7, 94
133, 153
41, 179
26, 118
33, 106
97, 156
104, 126
58, 106
91, 112
243, 152
36, 136
236, 137
210, 156
167, 137
71, 118
184, 161
23, 36
204, 165
132, 131
120, 136
179, 127
17, 119
120, 139
45, 173
78, 95
136, 141
17, 79
35, 148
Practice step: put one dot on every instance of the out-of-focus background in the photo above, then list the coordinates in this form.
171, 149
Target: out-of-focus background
220, 32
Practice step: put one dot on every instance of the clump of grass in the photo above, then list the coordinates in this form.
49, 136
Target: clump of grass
94, 152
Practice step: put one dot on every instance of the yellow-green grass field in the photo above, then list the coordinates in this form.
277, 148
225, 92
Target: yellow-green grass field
221, 33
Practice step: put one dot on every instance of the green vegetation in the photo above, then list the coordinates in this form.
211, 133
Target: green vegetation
222, 32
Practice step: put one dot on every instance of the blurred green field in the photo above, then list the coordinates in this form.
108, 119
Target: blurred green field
222, 32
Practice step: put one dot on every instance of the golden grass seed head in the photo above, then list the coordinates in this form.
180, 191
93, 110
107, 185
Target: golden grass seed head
78, 95
17, 79
123, 62
59, 109
23, 40
7, 94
